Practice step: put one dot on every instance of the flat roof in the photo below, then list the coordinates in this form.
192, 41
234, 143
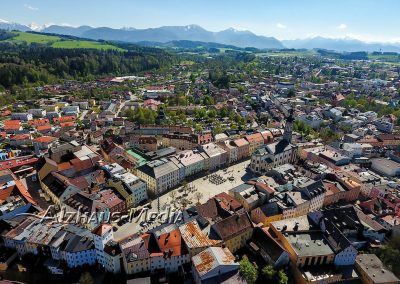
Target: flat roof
309, 244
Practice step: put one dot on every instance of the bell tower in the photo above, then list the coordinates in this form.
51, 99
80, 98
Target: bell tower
287, 135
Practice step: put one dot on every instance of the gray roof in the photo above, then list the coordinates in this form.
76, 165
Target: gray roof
373, 267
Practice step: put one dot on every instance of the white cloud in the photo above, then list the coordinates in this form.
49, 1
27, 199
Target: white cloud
3, 21
342, 26
29, 7
280, 26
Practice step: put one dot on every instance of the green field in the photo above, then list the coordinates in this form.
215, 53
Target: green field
59, 42
33, 38
84, 44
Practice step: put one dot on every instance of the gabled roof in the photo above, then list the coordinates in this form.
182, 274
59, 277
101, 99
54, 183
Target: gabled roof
233, 226
211, 258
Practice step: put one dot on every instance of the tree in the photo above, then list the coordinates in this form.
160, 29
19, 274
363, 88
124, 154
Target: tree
184, 203
198, 195
282, 277
172, 194
248, 270
86, 278
390, 254
327, 135
269, 272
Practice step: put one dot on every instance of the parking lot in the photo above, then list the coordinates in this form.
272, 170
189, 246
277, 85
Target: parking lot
208, 186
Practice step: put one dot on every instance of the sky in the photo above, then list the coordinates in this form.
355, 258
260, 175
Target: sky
368, 20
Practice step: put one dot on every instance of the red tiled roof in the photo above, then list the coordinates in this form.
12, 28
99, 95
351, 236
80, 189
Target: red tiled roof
44, 139
24, 191
43, 127
171, 242
38, 122
20, 137
67, 124
67, 118
13, 163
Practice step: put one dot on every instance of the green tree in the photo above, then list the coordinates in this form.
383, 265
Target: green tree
282, 277
212, 113
248, 270
390, 254
269, 272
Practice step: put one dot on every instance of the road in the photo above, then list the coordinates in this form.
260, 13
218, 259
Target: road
203, 185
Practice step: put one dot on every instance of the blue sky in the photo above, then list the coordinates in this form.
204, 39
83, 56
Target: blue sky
369, 20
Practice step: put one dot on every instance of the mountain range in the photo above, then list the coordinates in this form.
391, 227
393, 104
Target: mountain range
229, 36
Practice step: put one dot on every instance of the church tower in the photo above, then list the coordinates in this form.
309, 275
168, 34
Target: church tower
287, 135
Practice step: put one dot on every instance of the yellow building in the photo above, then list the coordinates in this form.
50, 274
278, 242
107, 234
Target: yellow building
234, 231
135, 254
266, 214
306, 246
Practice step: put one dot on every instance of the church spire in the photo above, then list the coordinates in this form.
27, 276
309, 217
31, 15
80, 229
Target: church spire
287, 135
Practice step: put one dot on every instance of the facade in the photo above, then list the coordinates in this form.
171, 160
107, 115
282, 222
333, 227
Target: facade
255, 140
243, 148
234, 231
160, 175
192, 161
130, 187
217, 157
231, 149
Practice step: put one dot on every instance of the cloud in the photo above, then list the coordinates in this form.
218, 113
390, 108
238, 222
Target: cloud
29, 7
280, 26
342, 26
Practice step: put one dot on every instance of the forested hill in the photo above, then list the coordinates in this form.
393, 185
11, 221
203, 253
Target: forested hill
40, 63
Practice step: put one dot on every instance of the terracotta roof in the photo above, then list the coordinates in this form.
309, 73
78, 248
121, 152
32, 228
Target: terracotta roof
256, 137
241, 142
67, 118
18, 162
67, 124
20, 137
171, 243
44, 139
43, 127
101, 229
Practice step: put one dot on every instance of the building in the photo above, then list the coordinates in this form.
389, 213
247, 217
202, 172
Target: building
268, 248
372, 270
192, 161
305, 245
231, 149
255, 140
135, 254
217, 157
214, 265
386, 167
160, 175
266, 213
24, 116
108, 253
130, 187
234, 231
196, 239
37, 112
277, 153
243, 148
